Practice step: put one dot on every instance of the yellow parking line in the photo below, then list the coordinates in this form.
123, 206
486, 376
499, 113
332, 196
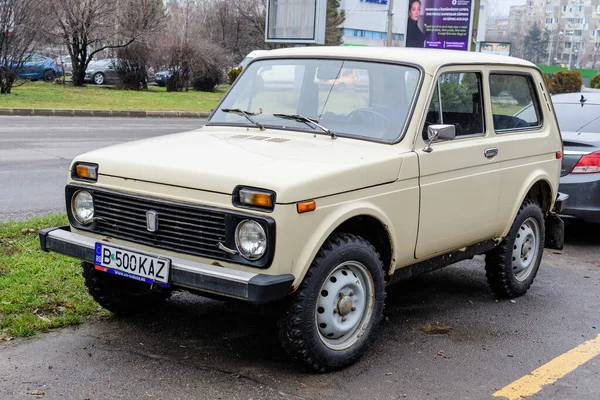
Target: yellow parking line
551, 371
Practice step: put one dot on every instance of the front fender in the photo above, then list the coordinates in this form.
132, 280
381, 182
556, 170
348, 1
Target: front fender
324, 225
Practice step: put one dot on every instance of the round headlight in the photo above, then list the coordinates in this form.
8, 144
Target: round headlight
250, 239
82, 205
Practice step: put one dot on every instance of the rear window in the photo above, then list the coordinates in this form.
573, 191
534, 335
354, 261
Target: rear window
574, 117
514, 102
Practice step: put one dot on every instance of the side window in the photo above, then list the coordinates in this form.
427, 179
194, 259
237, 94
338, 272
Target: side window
457, 101
514, 102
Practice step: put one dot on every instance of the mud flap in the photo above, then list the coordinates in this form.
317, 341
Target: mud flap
555, 233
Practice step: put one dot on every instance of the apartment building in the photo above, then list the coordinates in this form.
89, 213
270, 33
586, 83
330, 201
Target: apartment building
572, 26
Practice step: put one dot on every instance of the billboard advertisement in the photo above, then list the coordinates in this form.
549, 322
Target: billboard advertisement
439, 24
501, 48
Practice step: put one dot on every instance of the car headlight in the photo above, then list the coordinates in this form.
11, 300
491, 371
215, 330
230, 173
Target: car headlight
250, 239
82, 206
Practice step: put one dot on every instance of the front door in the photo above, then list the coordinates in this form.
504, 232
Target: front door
460, 178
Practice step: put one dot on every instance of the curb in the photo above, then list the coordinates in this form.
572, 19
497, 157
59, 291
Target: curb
63, 112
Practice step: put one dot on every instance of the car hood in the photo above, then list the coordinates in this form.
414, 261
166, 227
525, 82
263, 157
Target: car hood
297, 166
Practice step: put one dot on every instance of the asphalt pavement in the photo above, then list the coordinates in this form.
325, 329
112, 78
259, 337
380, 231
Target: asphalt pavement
35, 154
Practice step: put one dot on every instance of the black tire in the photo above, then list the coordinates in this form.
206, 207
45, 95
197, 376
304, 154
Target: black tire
512, 266
122, 296
301, 333
49, 76
98, 78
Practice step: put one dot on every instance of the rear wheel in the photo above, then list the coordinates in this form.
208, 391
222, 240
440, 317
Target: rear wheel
49, 76
98, 78
334, 314
512, 266
120, 295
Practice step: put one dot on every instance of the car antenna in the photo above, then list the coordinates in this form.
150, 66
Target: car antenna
582, 100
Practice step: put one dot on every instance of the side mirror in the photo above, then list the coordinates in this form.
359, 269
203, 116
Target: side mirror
439, 132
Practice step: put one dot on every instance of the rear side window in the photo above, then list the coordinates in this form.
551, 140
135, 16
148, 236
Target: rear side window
514, 102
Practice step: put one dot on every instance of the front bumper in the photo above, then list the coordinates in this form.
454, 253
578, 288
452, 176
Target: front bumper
251, 287
584, 197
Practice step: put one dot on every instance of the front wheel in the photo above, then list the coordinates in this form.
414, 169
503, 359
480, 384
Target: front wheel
122, 296
512, 266
98, 78
334, 314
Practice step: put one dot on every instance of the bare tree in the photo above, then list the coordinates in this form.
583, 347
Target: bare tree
22, 25
87, 27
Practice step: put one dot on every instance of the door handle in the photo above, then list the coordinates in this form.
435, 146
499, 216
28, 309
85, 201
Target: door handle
491, 152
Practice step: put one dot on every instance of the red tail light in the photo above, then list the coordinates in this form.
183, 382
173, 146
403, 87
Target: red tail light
588, 164
559, 155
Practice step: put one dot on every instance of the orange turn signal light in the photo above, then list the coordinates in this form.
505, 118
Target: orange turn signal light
85, 171
256, 198
306, 206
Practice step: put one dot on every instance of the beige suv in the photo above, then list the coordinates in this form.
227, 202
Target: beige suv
314, 198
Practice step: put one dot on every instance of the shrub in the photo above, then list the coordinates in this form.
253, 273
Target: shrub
232, 74
132, 66
566, 82
595, 82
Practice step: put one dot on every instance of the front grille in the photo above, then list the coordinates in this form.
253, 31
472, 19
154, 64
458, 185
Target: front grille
181, 228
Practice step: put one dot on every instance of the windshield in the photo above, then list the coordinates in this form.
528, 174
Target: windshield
574, 117
349, 98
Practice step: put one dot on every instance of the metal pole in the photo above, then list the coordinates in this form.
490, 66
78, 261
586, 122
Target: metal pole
549, 50
390, 23
570, 55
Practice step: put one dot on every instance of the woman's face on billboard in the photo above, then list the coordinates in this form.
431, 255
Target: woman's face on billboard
415, 11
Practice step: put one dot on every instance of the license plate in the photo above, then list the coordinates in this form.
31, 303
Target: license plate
134, 265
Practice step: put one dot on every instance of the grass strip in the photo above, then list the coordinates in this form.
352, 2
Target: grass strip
39, 290
92, 97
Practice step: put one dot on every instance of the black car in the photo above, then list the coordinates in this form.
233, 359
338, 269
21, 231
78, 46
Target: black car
579, 120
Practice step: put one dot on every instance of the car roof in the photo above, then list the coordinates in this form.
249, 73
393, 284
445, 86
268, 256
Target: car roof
430, 59
565, 98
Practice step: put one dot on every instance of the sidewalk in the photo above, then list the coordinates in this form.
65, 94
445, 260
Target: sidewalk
62, 112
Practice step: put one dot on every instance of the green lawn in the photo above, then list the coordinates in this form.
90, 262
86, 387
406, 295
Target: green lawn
39, 290
51, 95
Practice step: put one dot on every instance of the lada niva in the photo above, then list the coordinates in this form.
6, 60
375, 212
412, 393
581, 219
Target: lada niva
313, 199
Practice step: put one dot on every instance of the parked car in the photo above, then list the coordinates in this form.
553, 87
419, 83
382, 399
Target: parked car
65, 64
161, 77
39, 67
102, 71
579, 120
319, 198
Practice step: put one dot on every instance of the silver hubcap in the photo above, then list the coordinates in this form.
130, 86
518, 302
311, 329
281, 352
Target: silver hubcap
99, 79
345, 305
525, 249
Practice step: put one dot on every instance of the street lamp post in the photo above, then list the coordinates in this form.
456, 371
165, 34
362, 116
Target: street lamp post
552, 35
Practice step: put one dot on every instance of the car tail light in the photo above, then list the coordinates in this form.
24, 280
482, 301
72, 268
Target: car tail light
588, 164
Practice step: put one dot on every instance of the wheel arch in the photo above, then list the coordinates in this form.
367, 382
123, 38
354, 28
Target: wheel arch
540, 189
358, 219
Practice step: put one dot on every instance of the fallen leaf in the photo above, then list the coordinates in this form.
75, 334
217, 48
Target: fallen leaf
36, 393
302, 385
470, 302
431, 329
441, 353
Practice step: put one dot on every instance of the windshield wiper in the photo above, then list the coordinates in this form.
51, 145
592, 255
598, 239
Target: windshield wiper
246, 114
308, 121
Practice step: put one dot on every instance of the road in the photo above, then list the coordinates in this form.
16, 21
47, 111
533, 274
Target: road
35, 154
196, 348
